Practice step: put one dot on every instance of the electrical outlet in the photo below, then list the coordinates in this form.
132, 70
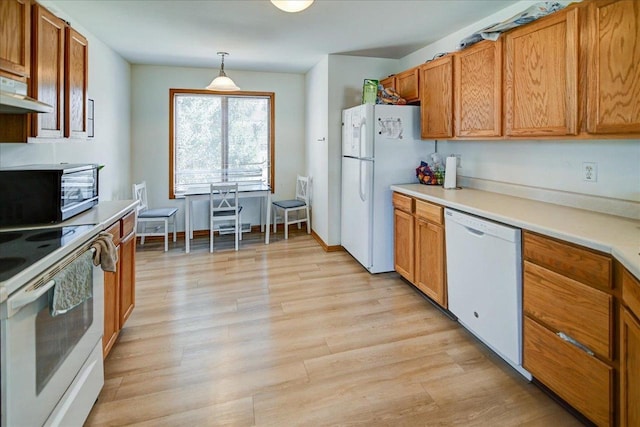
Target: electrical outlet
590, 171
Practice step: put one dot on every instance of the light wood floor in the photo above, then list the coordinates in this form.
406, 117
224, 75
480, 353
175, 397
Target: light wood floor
286, 334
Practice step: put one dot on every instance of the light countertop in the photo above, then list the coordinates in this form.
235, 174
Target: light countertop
614, 235
104, 213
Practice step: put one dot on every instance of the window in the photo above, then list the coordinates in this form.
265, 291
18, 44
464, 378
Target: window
218, 137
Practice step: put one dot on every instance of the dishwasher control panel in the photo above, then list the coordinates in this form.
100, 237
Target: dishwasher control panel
480, 226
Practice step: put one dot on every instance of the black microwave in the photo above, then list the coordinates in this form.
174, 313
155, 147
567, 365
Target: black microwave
46, 194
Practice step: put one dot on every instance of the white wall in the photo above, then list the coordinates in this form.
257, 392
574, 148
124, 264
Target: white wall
317, 151
109, 87
150, 130
333, 84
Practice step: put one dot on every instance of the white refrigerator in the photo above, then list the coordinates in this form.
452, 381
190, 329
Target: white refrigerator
381, 146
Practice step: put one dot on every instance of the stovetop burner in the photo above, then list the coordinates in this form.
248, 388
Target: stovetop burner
21, 248
9, 236
51, 235
10, 263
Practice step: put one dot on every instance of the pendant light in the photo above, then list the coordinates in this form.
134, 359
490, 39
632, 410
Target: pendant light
222, 82
292, 5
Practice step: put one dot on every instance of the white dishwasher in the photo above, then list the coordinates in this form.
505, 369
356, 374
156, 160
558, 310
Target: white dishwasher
484, 280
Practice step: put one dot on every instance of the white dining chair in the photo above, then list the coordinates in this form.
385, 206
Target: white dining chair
156, 219
298, 205
223, 206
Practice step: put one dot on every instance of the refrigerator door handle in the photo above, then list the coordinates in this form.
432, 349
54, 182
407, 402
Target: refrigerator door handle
362, 137
361, 183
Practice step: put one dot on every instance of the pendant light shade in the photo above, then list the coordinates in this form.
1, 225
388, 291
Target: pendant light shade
222, 82
292, 5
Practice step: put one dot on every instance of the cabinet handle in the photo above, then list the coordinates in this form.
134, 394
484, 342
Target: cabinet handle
570, 340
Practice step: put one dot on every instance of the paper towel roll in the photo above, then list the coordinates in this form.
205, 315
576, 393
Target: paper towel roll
450, 172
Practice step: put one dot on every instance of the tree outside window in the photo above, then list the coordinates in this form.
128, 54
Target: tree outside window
218, 137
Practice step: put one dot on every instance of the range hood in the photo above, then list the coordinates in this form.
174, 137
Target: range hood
14, 99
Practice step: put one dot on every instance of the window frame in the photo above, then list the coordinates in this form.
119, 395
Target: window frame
248, 94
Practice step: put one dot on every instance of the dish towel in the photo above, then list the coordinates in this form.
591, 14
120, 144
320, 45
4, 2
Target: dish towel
106, 254
73, 285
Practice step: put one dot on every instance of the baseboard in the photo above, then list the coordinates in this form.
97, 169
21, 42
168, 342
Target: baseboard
327, 248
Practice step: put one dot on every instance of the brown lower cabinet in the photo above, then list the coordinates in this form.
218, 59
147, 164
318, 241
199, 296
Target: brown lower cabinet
630, 351
119, 286
419, 245
569, 330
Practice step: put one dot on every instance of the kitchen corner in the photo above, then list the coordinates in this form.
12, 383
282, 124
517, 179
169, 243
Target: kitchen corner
610, 234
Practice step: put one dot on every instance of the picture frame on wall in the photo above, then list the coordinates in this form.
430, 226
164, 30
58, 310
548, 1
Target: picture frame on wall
90, 117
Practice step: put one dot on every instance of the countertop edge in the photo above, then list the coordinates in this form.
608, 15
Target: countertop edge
622, 254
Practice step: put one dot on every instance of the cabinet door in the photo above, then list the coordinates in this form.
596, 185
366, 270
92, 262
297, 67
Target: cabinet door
127, 277
403, 243
111, 310
75, 85
429, 261
407, 84
541, 77
47, 81
388, 82
629, 370
436, 98
112, 296
15, 38
478, 90
613, 75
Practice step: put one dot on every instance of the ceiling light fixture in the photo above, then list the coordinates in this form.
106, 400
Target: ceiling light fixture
292, 5
222, 82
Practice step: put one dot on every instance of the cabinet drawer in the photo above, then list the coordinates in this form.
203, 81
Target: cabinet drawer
631, 293
583, 381
402, 202
575, 262
429, 212
578, 310
128, 222
114, 230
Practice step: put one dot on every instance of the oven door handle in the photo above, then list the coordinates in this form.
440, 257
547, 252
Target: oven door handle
30, 295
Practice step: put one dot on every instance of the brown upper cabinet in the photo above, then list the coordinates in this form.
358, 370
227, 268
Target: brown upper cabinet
15, 39
613, 98
571, 74
406, 84
436, 98
47, 77
478, 90
389, 82
75, 84
53, 59
541, 77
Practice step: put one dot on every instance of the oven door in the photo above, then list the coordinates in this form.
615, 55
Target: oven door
41, 353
